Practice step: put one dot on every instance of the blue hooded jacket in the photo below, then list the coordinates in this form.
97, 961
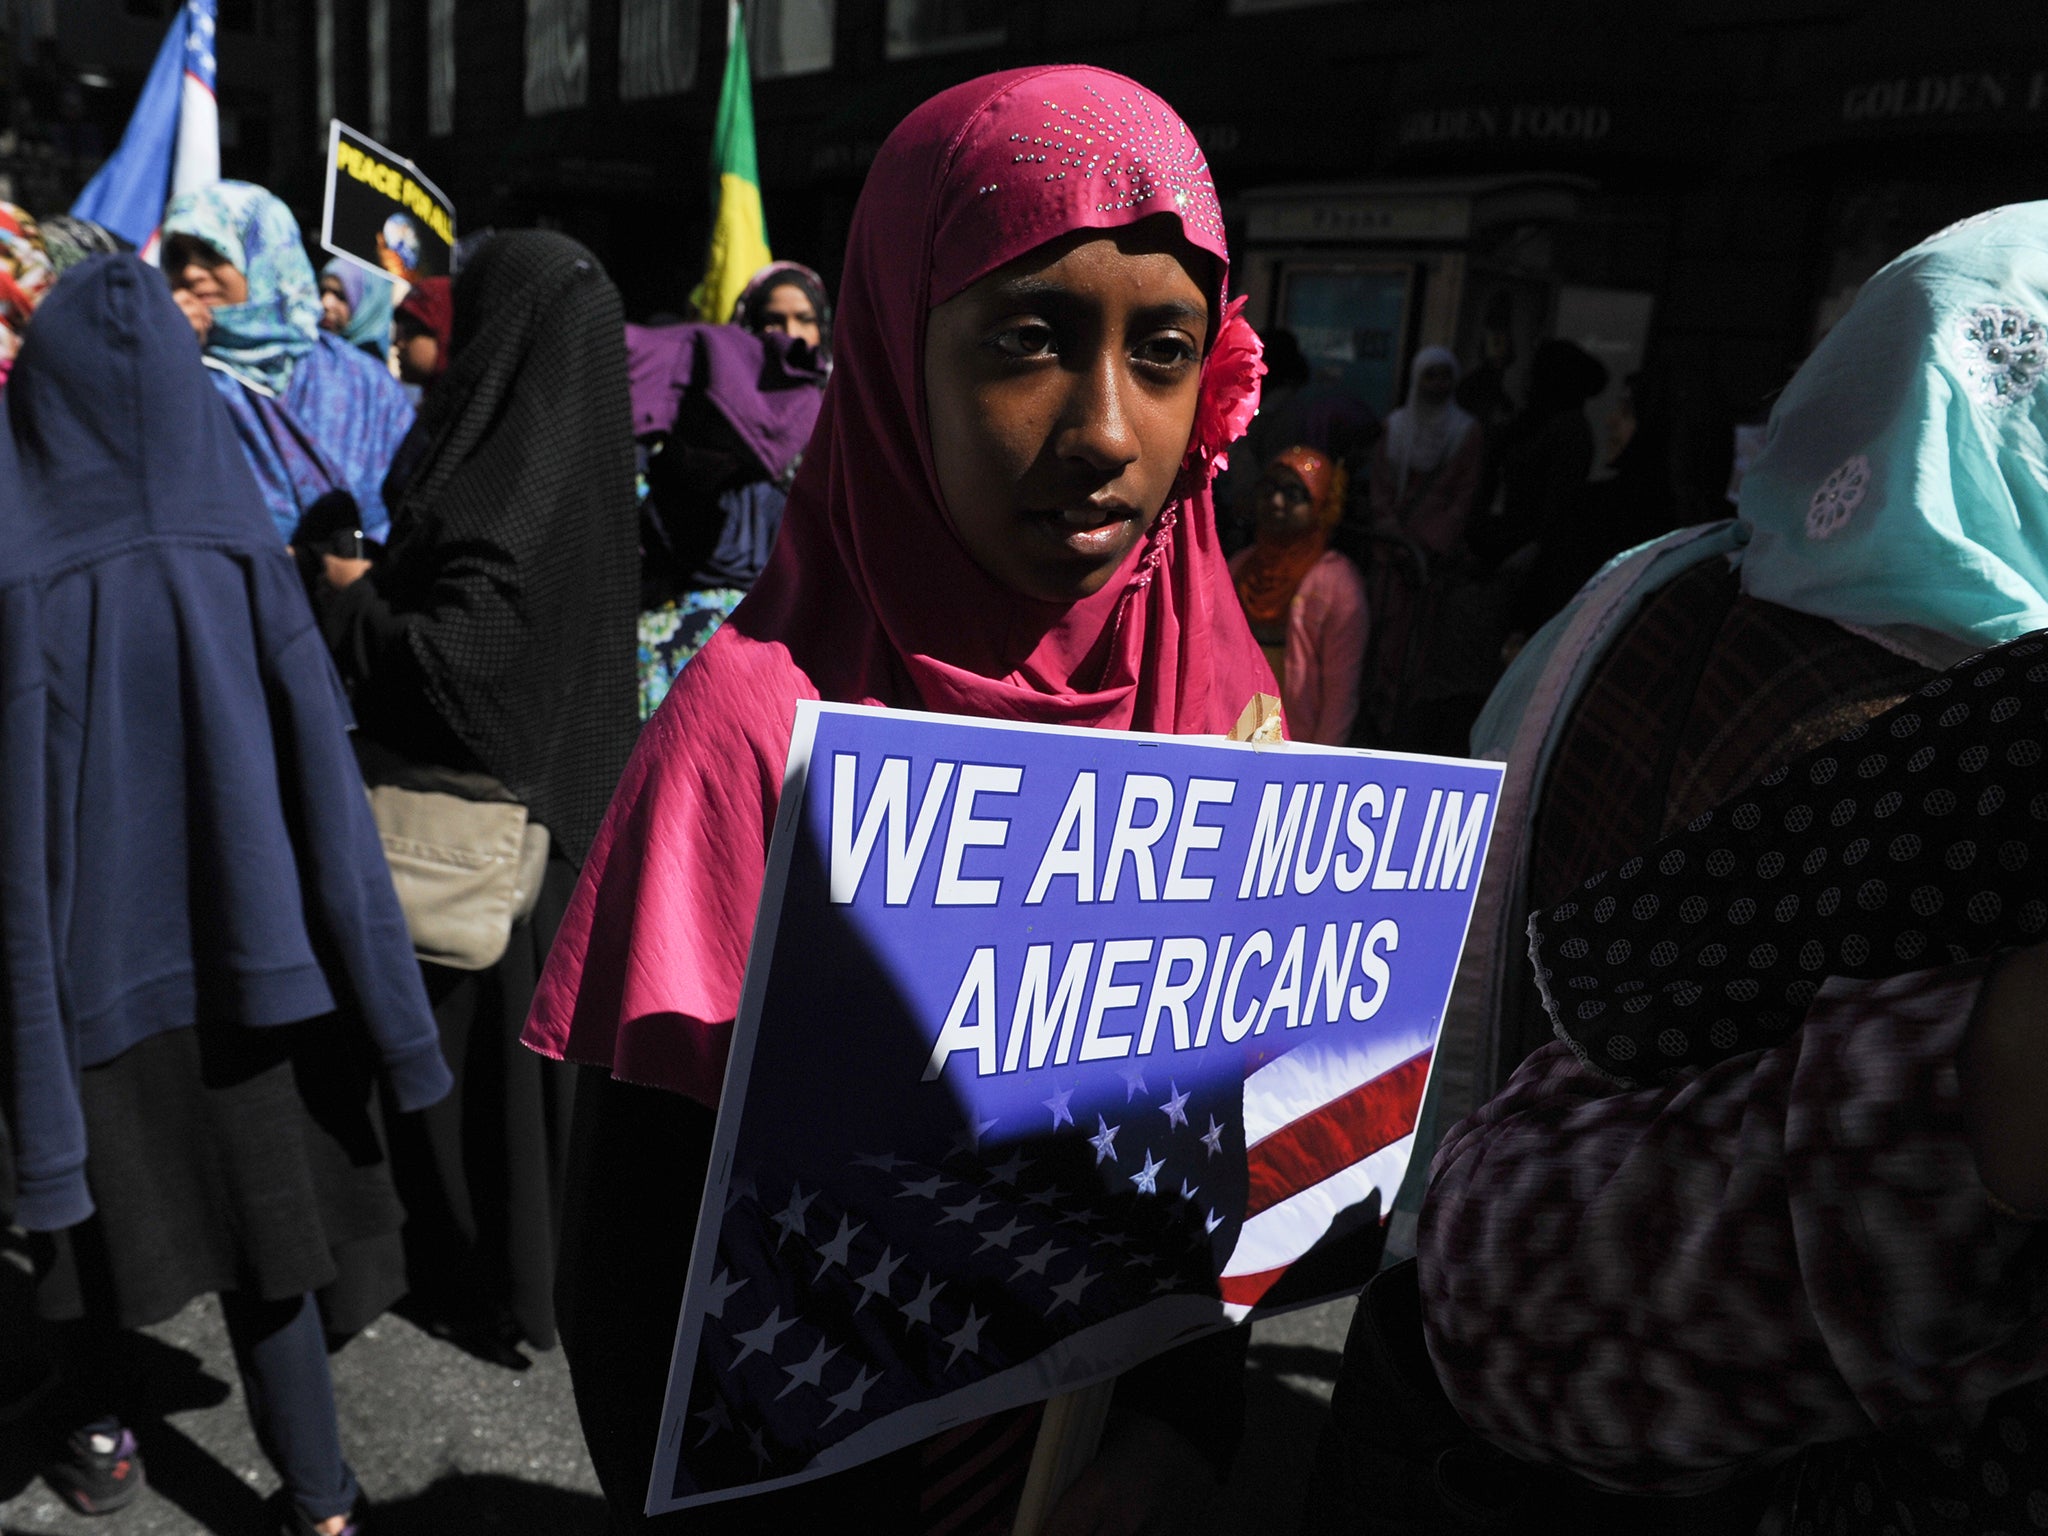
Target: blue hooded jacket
183, 829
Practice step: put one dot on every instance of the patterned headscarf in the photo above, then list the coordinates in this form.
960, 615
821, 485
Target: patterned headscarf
69, 241
25, 270
1903, 486
260, 340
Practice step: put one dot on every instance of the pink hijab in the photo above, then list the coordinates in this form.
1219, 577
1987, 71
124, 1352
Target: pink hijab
870, 598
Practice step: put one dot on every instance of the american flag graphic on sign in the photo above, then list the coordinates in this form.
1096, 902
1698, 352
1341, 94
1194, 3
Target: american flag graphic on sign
1012, 1108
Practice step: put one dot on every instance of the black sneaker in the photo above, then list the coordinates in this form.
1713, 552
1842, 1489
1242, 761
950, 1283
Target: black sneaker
100, 1470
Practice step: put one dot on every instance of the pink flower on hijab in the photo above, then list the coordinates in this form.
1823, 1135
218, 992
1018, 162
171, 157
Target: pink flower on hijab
1230, 392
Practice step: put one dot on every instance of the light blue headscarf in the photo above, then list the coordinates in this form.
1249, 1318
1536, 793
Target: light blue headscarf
1903, 485
261, 340
369, 304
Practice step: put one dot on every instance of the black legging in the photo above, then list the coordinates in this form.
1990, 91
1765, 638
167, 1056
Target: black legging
281, 1354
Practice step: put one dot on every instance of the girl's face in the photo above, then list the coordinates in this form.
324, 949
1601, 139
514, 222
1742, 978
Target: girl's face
419, 350
1286, 510
1060, 393
198, 270
1435, 383
334, 310
786, 308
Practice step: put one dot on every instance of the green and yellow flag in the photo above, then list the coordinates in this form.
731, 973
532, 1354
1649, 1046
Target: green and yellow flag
739, 229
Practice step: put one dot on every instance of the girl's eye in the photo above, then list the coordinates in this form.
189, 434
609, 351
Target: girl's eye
1166, 351
1025, 341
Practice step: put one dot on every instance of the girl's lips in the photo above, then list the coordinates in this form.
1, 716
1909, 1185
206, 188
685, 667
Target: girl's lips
1091, 532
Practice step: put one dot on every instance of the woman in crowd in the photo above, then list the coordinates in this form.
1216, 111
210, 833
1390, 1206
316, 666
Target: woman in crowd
70, 240
1304, 600
1773, 1202
1425, 476
314, 415
1546, 456
1425, 468
722, 413
206, 964
424, 329
1053, 345
790, 299
496, 637
25, 275
356, 306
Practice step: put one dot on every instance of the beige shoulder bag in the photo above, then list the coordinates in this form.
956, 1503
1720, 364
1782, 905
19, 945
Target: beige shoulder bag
465, 857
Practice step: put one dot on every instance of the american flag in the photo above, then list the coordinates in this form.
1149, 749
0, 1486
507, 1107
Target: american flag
890, 1250
1329, 1131
844, 1294
954, 1252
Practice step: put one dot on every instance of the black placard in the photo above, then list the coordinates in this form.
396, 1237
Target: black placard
382, 212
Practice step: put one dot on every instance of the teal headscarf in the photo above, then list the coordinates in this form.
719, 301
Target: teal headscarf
369, 304
260, 340
1903, 485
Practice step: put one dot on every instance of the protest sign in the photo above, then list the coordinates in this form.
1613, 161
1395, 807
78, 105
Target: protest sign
381, 211
1057, 1048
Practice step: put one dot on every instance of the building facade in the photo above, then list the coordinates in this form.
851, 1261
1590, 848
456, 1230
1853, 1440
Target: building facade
70, 71
1696, 187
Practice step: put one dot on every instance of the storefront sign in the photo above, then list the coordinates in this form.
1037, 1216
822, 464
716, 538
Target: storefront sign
1360, 218
1540, 122
1966, 93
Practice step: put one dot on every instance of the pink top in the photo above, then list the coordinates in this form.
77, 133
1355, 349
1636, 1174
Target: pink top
870, 597
1327, 624
1437, 505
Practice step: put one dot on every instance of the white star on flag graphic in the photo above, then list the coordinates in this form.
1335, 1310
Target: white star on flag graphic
841, 1245
1147, 1177
1034, 1263
1003, 1236
965, 1338
849, 1401
919, 1308
1176, 1106
761, 1340
791, 1217
715, 1418
1068, 1293
809, 1373
721, 1290
1061, 1115
876, 1281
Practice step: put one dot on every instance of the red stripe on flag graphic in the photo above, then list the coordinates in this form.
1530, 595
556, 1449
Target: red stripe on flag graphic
1330, 1139
1249, 1290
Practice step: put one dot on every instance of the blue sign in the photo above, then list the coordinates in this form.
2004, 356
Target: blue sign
1057, 1047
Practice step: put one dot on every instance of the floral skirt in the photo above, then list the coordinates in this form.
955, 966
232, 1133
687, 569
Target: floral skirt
671, 634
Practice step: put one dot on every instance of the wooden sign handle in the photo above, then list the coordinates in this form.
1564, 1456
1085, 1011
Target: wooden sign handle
1260, 721
1068, 1437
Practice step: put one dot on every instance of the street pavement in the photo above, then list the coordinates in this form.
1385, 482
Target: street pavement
451, 1445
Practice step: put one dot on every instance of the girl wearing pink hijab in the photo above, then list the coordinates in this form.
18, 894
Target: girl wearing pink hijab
1004, 511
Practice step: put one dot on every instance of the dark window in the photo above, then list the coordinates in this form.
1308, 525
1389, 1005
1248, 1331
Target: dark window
940, 26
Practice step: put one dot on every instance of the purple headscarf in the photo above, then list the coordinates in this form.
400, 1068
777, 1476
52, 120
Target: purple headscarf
768, 395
